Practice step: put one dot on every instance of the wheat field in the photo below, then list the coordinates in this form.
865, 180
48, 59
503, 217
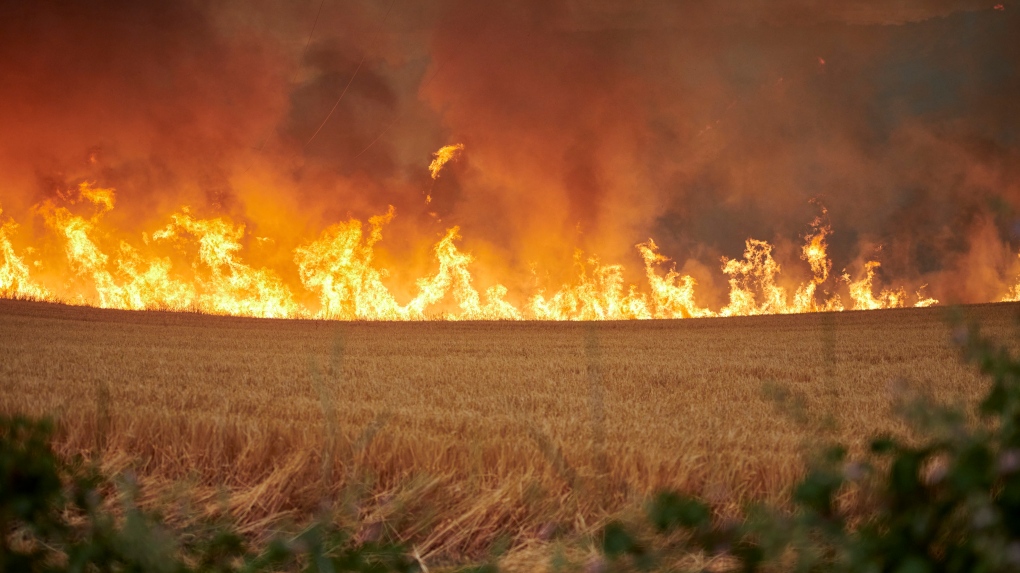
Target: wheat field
458, 436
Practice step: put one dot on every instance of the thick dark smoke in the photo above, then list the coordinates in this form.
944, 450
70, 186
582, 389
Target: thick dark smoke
591, 125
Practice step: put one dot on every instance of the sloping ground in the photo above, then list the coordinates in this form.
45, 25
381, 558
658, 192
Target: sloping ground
458, 434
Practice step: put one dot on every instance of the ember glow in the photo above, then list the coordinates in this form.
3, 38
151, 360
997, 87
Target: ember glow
509, 160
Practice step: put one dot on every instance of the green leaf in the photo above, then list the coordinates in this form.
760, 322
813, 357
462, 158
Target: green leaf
817, 490
995, 401
883, 445
914, 564
904, 476
972, 468
616, 541
670, 510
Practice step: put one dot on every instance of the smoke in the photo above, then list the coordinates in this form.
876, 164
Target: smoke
704, 125
591, 125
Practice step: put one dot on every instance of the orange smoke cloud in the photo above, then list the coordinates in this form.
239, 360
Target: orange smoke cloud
220, 157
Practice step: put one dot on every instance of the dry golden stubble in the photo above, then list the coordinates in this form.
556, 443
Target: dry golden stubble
456, 436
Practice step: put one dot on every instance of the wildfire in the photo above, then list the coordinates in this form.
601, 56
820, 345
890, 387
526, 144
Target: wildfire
14, 279
123, 284
864, 298
1012, 296
598, 295
340, 278
672, 295
228, 286
446, 154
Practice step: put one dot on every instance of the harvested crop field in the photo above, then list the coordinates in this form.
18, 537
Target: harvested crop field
457, 434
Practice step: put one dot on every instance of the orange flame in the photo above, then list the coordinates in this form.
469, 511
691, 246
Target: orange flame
229, 286
672, 295
599, 296
339, 271
126, 286
339, 267
1013, 295
861, 291
14, 277
445, 154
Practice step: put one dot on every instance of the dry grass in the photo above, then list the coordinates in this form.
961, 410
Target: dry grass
458, 434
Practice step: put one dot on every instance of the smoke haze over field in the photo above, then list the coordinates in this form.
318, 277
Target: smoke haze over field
590, 125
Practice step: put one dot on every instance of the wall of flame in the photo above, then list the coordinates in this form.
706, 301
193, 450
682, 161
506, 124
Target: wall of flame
513, 160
